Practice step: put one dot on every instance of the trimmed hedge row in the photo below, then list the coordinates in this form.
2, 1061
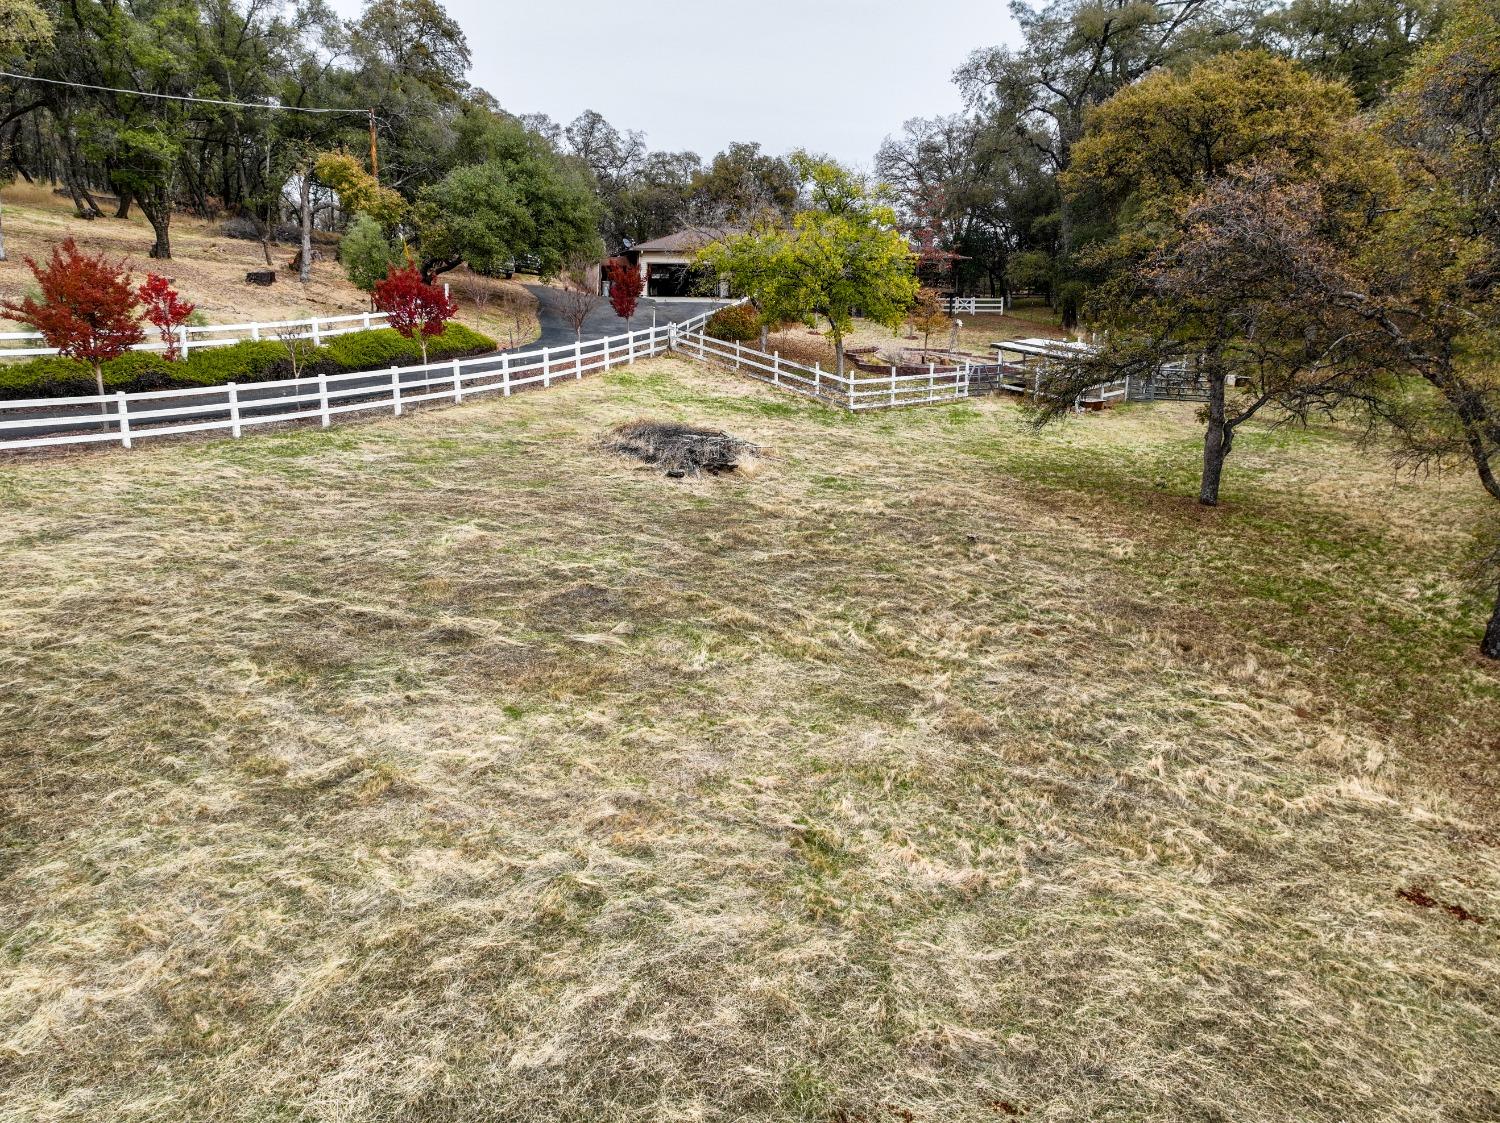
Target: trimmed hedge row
248, 361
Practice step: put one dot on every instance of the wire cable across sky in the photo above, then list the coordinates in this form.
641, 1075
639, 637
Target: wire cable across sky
274, 107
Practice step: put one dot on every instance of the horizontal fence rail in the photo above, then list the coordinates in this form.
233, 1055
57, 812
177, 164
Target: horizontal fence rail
29, 344
236, 408
853, 390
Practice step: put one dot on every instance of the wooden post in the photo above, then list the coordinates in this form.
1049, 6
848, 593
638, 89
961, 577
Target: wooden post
776, 367
505, 376
317, 335
374, 151
396, 390
818, 377
122, 407
932, 382
630, 347
234, 409
323, 414
458, 383
578, 361
183, 335
736, 354
893, 385
546, 371
255, 332
367, 321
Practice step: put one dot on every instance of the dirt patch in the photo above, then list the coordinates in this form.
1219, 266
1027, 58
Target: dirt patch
1424, 900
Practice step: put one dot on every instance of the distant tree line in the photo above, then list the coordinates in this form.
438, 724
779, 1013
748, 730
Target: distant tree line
461, 180
988, 184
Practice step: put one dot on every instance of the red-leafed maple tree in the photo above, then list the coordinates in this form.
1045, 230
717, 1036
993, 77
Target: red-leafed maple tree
413, 307
166, 310
87, 310
625, 287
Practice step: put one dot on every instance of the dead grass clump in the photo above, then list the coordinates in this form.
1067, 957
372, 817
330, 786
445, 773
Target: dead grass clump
797, 347
680, 450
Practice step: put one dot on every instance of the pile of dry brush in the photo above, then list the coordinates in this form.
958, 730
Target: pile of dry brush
681, 450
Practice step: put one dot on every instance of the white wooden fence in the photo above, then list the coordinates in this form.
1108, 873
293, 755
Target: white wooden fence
854, 390
973, 305
123, 418
28, 344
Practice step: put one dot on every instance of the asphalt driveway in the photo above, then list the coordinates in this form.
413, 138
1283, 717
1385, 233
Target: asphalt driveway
602, 321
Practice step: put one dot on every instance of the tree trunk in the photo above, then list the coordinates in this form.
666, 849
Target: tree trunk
160, 218
99, 382
304, 274
123, 210
1216, 443
78, 195
1490, 646
838, 348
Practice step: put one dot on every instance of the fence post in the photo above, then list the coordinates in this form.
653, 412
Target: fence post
893, 385
546, 371
367, 321
818, 377
255, 332
578, 361
776, 367
458, 383
505, 375
932, 382
183, 335
317, 335
120, 404
736, 354
234, 409
1127, 386
323, 414
396, 390
630, 347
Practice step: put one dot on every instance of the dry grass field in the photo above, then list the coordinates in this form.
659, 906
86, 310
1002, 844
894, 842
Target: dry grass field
449, 768
209, 268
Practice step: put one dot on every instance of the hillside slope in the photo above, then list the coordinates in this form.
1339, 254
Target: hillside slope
209, 268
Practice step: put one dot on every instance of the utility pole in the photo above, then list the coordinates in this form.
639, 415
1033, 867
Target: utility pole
374, 151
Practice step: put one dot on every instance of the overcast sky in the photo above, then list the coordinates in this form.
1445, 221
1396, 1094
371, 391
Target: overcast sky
833, 76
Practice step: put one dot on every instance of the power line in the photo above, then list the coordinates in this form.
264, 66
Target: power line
183, 97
